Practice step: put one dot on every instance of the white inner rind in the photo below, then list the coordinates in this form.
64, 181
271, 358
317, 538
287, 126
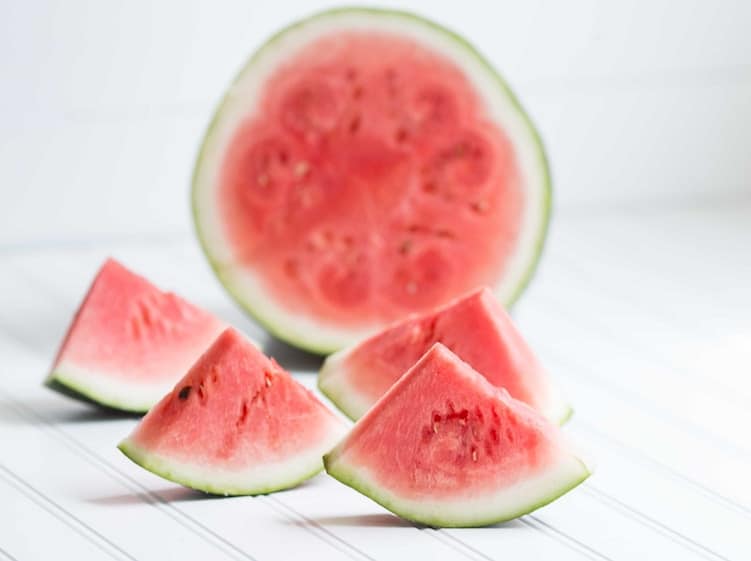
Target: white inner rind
472, 508
333, 381
120, 392
241, 102
246, 480
556, 408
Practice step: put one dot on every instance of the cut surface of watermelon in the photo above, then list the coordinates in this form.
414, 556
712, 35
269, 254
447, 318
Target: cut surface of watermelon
236, 424
444, 447
475, 327
366, 164
129, 342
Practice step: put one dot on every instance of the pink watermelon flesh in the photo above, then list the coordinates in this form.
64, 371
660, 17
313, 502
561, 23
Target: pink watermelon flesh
446, 448
237, 423
129, 341
475, 327
370, 183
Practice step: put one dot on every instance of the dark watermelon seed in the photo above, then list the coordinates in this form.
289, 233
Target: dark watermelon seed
243, 414
479, 207
354, 124
184, 393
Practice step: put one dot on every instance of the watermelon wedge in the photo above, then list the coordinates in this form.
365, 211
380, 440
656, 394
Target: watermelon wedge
366, 164
444, 447
475, 327
129, 342
236, 424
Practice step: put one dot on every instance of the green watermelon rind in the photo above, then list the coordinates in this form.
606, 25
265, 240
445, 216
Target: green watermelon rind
248, 304
64, 384
165, 469
349, 477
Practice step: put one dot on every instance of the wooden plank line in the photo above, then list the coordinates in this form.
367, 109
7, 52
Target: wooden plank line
562, 537
145, 495
316, 529
4, 553
459, 545
602, 330
93, 536
584, 374
645, 459
646, 520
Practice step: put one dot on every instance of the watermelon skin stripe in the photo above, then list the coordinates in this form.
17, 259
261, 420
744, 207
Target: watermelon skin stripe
246, 289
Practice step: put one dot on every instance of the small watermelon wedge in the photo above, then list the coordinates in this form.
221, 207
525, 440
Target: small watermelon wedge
475, 327
445, 448
366, 164
236, 424
129, 342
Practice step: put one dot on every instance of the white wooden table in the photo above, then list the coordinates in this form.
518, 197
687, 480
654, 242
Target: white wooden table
642, 319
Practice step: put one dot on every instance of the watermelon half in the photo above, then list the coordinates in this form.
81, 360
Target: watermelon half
236, 424
129, 342
475, 327
444, 447
366, 164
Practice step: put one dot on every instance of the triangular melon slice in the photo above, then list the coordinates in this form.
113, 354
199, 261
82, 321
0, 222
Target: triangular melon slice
236, 424
443, 447
129, 342
475, 327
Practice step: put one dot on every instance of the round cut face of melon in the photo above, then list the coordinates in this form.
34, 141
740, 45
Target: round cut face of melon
444, 447
366, 165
